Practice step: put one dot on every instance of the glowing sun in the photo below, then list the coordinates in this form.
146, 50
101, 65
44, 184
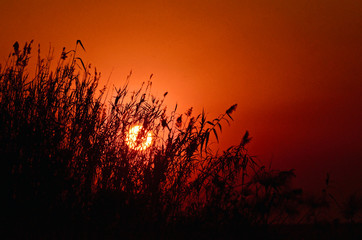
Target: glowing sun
138, 142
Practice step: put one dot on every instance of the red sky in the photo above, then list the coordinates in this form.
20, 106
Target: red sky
293, 68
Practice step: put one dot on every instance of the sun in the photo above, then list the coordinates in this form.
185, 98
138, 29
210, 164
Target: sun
138, 142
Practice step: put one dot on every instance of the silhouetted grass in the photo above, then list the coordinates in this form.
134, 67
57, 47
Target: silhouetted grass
70, 173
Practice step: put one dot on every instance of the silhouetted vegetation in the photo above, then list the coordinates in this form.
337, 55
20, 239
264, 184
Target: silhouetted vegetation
70, 173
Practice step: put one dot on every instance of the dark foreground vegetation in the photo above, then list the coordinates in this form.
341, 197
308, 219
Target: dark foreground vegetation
69, 172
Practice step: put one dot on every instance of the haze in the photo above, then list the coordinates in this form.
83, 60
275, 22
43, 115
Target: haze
293, 68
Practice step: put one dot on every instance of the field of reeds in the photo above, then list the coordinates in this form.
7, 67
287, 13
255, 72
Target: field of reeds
70, 173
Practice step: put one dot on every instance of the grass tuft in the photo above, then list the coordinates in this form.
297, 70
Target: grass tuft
64, 147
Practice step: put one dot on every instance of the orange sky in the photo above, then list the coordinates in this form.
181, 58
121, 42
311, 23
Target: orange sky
293, 67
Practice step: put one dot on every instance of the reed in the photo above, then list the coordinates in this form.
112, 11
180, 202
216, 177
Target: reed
67, 163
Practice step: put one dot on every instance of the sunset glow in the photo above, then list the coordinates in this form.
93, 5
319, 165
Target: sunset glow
293, 68
137, 142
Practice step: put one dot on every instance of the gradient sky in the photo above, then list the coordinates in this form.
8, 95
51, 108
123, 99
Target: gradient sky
293, 67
